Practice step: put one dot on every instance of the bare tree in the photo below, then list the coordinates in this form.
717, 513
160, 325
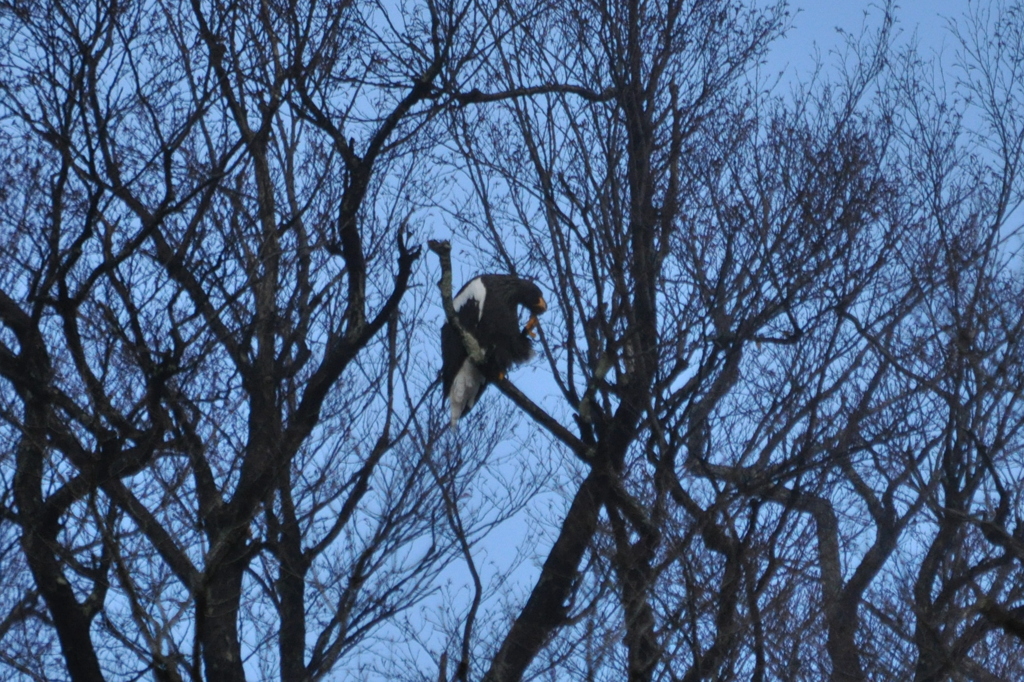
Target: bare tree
766, 339
206, 233
782, 433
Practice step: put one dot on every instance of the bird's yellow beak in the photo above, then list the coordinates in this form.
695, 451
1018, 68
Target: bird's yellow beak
541, 305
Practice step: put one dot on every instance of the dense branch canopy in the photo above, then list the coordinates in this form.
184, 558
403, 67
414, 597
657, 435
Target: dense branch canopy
774, 425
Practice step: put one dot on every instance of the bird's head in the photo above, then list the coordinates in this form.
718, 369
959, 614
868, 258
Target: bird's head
531, 298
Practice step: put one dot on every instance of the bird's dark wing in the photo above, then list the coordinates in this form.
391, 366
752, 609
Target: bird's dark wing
499, 330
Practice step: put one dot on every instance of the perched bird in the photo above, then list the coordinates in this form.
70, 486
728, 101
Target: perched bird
487, 308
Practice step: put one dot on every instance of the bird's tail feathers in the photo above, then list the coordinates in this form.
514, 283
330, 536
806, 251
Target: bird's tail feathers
465, 390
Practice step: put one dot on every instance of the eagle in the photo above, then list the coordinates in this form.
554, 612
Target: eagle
487, 308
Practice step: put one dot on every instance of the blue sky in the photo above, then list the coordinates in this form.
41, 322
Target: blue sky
815, 23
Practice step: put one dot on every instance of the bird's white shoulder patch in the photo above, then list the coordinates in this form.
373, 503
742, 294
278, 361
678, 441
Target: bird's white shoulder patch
475, 290
465, 389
